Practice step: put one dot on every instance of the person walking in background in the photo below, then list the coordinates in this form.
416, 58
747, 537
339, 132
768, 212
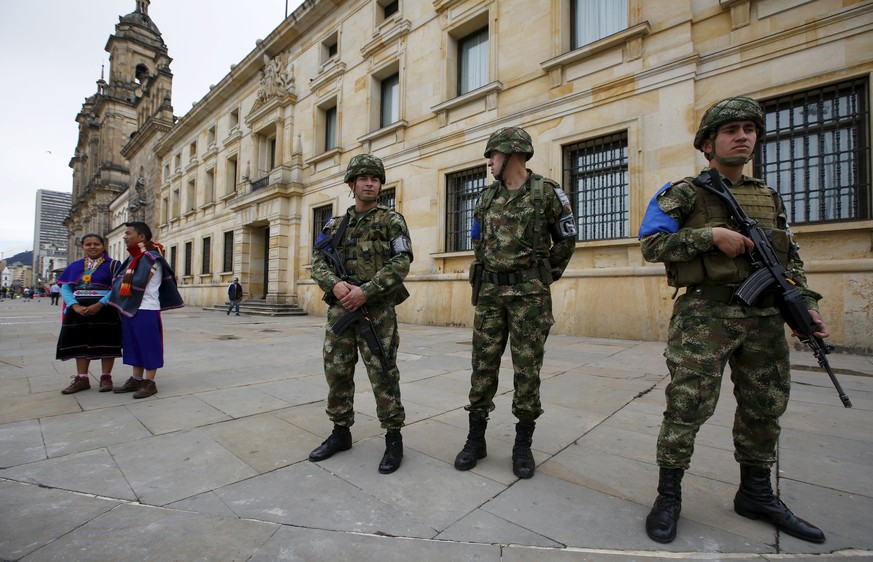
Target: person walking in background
523, 235
360, 262
691, 232
55, 293
89, 329
144, 286
234, 295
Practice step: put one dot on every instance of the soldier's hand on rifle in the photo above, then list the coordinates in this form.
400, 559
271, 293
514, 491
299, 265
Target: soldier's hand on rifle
353, 299
341, 289
731, 242
822, 330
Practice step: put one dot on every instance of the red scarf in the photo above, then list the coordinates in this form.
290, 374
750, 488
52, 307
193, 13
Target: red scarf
136, 251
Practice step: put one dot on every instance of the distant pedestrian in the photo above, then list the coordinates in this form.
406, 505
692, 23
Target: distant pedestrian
3, 291
90, 329
234, 295
55, 293
144, 286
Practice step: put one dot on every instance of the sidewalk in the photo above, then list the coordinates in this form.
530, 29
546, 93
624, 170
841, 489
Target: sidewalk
214, 467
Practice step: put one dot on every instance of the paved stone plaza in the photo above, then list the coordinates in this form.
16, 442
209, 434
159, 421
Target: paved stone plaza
214, 467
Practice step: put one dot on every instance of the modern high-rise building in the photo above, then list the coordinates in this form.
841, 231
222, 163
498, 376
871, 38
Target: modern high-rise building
49, 234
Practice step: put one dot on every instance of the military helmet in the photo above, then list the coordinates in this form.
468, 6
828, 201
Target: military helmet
365, 164
739, 108
509, 140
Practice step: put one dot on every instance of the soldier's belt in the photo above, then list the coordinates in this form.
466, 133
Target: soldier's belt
725, 294
511, 278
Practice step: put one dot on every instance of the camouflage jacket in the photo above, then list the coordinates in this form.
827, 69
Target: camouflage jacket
507, 236
678, 202
366, 253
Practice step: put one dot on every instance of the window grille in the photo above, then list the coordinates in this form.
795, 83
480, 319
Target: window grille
173, 258
815, 152
206, 266
189, 249
228, 252
462, 193
320, 216
596, 181
387, 197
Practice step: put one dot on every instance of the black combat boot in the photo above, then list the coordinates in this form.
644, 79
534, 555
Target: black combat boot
662, 520
474, 449
339, 440
755, 500
522, 458
393, 452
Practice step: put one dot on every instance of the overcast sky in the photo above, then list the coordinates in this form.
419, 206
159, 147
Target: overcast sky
50, 55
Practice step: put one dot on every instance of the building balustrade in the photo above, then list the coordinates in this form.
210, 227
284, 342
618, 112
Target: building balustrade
261, 183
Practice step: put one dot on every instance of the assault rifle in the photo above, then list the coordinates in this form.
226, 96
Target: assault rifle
361, 315
769, 275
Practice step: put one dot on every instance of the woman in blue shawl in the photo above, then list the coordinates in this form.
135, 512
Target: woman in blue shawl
90, 329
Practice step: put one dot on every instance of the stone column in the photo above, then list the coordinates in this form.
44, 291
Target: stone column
280, 234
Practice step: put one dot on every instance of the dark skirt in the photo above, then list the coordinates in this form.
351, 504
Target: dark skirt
90, 337
143, 336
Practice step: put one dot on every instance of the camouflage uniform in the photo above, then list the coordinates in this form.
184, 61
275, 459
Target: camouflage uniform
706, 332
522, 311
366, 250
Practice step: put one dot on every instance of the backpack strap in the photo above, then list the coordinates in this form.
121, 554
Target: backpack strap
537, 193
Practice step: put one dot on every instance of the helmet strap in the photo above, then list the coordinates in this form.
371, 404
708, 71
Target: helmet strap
732, 161
499, 175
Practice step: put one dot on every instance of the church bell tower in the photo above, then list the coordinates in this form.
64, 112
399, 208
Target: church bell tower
117, 128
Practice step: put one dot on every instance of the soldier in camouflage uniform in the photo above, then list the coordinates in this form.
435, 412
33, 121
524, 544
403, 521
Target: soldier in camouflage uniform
690, 231
523, 235
375, 250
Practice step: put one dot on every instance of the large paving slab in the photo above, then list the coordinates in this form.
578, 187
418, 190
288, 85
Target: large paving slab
34, 516
168, 468
134, 532
90, 472
307, 495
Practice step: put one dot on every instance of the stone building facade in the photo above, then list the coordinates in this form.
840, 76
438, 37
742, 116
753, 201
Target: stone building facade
118, 126
611, 96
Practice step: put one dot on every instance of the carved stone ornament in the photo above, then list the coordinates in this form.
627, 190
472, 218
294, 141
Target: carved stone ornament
277, 78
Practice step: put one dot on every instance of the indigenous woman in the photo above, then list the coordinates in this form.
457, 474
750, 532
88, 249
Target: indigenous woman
90, 330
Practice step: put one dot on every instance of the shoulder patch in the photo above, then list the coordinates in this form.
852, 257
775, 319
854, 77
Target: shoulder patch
655, 219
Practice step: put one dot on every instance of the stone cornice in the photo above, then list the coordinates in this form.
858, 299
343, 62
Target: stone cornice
151, 129
386, 37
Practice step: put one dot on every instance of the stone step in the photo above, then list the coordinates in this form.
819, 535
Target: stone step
261, 308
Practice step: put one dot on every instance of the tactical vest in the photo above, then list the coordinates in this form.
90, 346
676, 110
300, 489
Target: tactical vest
715, 267
365, 250
540, 250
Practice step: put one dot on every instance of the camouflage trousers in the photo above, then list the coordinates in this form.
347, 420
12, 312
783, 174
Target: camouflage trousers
341, 355
525, 321
698, 348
